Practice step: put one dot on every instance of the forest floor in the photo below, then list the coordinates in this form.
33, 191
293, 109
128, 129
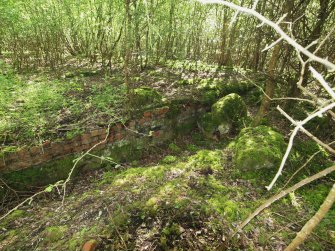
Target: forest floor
54, 105
184, 196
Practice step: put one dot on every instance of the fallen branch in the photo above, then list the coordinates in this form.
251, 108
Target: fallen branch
282, 194
314, 221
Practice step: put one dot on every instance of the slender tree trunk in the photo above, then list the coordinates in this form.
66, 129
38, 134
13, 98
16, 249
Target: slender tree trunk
269, 87
127, 44
221, 59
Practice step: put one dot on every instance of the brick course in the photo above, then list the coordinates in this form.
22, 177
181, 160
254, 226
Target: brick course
37, 155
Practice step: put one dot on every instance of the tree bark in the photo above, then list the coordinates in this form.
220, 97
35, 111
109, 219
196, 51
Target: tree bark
269, 87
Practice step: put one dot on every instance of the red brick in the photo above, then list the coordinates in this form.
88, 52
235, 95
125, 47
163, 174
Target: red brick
85, 147
142, 121
24, 155
100, 147
11, 156
77, 142
161, 111
56, 149
39, 159
119, 136
35, 150
102, 136
46, 144
95, 133
95, 140
78, 149
111, 138
86, 139
98, 132
156, 134
147, 114
2, 163
90, 245
119, 126
18, 165
68, 148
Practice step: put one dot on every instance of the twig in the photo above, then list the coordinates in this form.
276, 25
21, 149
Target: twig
283, 193
80, 158
290, 144
314, 221
116, 229
9, 188
325, 146
277, 28
30, 199
302, 167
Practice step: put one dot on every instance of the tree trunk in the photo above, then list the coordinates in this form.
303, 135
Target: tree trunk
269, 87
127, 44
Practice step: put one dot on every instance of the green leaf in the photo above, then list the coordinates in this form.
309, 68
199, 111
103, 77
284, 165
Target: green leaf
49, 189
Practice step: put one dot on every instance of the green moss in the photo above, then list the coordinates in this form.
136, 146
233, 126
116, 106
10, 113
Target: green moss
145, 96
204, 159
12, 217
126, 150
316, 197
169, 159
55, 233
174, 148
183, 126
8, 149
259, 147
176, 106
207, 125
209, 90
192, 148
186, 82
77, 239
40, 175
303, 150
241, 87
230, 108
169, 234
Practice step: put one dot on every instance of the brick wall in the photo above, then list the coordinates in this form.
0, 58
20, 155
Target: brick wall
159, 123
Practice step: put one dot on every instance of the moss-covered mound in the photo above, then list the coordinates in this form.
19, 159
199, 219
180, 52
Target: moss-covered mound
211, 89
228, 112
160, 205
207, 125
259, 147
183, 203
145, 96
229, 108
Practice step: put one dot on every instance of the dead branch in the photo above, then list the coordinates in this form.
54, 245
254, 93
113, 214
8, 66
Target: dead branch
314, 221
283, 193
277, 28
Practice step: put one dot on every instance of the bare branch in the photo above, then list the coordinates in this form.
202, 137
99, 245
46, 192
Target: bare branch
314, 221
287, 38
272, 45
283, 193
322, 81
290, 144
